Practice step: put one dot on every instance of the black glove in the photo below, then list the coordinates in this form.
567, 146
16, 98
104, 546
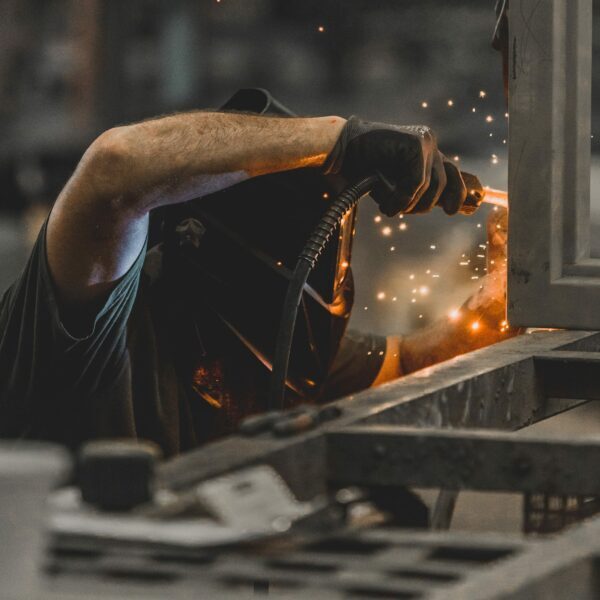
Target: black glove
418, 176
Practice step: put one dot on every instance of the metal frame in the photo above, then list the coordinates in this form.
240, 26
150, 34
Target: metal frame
506, 386
553, 280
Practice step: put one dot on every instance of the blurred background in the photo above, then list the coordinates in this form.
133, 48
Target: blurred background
70, 69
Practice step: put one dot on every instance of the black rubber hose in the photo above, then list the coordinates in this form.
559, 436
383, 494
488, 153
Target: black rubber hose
306, 262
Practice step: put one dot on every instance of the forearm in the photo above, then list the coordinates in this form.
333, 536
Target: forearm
177, 158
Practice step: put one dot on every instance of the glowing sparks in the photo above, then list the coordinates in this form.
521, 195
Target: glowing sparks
392, 248
345, 264
454, 314
279, 263
387, 231
482, 93
475, 325
423, 290
456, 158
325, 196
489, 119
402, 226
450, 102
424, 104
321, 29
381, 296
411, 276
433, 247
377, 219
494, 159
506, 115
474, 110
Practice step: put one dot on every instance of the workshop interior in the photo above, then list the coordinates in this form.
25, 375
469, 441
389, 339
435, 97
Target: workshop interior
474, 477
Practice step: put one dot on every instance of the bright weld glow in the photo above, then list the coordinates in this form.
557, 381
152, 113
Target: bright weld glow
479, 225
320, 29
482, 94
420, 316
279, 263
456, 158
413, 300
325, 195
450, 102
506, 115
504, 141
345, 264
377, 219
394, 299
423, 290
386, 231
402, 226
473, 109
433, 246
475, 325
366, 308
381, 296
491, 135
489, 119
411, 276
454, 314
424, 104
392, 248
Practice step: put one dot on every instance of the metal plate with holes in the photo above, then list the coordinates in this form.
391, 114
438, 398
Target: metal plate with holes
363, 564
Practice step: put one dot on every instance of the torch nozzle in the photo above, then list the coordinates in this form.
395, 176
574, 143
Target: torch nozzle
495, 197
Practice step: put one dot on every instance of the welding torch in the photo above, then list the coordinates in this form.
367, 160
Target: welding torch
477, 194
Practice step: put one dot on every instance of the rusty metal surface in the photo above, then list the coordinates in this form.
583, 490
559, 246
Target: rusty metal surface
463, 459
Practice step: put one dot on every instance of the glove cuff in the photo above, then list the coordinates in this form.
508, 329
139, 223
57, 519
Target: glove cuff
335, 159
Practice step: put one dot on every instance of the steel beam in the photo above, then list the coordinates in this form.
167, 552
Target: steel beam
498, 387
463, 459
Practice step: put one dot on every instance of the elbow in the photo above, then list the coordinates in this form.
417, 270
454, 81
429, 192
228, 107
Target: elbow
107, 165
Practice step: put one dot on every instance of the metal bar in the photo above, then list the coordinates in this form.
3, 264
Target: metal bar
495, 387
463, 459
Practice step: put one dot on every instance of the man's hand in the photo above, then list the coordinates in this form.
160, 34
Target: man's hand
408, 157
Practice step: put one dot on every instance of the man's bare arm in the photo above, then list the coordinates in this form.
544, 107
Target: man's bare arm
99, 222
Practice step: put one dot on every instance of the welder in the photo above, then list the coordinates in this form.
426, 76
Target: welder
109, 333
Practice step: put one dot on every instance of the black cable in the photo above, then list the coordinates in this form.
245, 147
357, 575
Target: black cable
306, 262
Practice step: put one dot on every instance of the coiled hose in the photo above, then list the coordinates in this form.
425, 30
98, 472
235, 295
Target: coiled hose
307, 260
